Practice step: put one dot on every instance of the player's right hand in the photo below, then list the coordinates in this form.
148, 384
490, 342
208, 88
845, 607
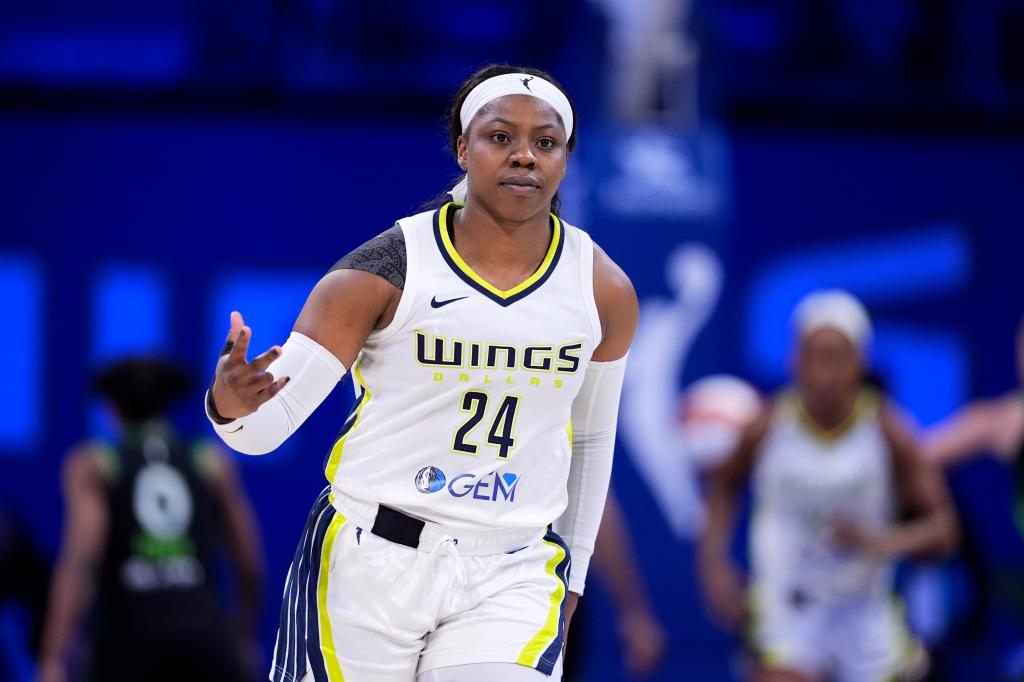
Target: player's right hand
240, 386
723, 593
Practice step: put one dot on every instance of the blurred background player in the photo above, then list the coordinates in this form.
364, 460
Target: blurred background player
983, 428
143, 519
833, 473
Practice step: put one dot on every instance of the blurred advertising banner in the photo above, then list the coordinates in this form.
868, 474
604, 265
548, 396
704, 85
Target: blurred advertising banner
659, 203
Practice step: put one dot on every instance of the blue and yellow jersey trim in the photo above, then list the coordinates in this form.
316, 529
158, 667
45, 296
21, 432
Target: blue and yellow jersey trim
334, 456
328, 652
543, 649
305, 637
866, 405
442, 235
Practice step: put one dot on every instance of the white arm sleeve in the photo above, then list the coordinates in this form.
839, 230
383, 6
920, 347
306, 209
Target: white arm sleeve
594, 415
313, 373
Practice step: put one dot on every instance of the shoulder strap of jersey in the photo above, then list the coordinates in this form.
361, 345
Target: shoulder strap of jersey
586, 267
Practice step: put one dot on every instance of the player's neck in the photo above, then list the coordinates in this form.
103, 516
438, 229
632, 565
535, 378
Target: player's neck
830, 415
483, 239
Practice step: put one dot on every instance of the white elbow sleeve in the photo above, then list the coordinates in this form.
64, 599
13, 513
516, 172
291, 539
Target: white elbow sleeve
313, 373
594, 417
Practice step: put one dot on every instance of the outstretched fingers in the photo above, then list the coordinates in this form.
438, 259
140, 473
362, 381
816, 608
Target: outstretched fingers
261, 362
240, 386
235, 325
240, 349
259, 382
274, 388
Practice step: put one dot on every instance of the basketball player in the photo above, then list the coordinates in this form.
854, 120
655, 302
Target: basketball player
143, 519
840, 493
487, 340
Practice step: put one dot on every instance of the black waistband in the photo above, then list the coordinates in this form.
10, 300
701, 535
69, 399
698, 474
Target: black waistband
395, 526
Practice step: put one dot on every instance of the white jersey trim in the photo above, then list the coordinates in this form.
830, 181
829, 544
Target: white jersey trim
587, 283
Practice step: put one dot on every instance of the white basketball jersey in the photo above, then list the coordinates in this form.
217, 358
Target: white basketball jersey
805, 481
463, 400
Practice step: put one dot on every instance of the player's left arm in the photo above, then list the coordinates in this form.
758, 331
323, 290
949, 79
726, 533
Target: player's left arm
73, 585
985, 426
931, 530
594, 415
643, 637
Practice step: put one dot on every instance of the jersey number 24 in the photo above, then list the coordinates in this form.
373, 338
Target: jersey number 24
501, 432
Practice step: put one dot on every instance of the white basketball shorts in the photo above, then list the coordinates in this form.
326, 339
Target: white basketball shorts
854, 640
362, 608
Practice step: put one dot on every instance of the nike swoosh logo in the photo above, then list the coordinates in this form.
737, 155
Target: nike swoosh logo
434, 303
240, 427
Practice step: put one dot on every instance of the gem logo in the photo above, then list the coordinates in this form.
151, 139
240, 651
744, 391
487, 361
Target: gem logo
429, 480
492, 487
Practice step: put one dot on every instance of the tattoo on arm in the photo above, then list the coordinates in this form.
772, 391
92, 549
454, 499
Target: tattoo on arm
384, 255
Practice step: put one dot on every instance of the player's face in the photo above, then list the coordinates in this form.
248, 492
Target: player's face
515, 155
828, 367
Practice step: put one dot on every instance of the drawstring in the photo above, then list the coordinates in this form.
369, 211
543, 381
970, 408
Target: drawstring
448, 545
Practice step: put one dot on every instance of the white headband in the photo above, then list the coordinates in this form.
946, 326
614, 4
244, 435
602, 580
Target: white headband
510, 84
837, 309
516, 84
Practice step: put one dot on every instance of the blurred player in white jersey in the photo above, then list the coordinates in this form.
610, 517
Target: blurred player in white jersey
487, 340
840, 493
